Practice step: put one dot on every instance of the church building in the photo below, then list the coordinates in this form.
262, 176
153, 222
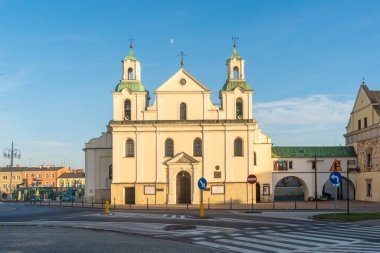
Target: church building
159, 152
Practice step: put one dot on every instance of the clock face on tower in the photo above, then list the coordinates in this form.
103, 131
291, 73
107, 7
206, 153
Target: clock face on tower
182, 81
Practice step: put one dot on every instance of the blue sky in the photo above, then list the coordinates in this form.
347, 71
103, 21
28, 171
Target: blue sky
60, 61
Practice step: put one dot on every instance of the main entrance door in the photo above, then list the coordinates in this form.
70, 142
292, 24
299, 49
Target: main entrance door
130, 195
183, 188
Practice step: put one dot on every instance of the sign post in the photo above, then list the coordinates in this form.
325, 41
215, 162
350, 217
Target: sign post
202, 183
252, 179
335, 179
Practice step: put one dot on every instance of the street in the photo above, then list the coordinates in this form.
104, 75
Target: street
223, 230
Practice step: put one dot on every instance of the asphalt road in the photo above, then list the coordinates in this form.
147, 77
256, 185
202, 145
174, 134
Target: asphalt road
232, 231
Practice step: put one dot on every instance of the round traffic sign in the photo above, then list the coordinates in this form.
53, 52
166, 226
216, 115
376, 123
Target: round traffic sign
252, 179
202, 183
335, 178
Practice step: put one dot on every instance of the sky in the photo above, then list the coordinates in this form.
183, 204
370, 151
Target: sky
60, 62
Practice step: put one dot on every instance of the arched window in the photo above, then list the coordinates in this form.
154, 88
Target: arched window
127, 109
238, 147
197, 147
239, 108
130, 74
236, 73
169, 147
130, 148
183, 112
110, 172
254, 159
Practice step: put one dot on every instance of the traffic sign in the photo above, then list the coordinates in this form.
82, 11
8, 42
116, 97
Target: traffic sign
252, 179
202, 183
335, 178
335, 166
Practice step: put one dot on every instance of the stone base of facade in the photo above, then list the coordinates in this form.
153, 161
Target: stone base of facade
158, 194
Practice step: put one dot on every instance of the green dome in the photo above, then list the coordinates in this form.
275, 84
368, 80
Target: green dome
232, 84
132, 85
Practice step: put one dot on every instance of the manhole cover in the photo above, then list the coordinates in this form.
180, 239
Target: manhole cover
179, 227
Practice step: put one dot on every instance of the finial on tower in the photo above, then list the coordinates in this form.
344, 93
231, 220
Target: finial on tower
235, 39
131, 44
363, 82
182, 54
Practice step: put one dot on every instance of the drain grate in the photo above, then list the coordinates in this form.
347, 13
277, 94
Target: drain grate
179, 227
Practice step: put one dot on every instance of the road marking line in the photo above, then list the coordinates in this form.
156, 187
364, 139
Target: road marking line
284, 238
225, 247
326, 235
280, 244
216, 236
199, 238
255, 246
182, 216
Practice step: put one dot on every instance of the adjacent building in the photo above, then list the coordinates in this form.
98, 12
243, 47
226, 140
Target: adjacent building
305, 171
10, 178
43, 176
74, 180
363, 133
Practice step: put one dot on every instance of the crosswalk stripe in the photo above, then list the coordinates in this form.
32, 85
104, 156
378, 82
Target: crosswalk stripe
320, 235
341, 234
182, 216
284, 238
351, 231
225, 247
173, 216
254, 246
280, 244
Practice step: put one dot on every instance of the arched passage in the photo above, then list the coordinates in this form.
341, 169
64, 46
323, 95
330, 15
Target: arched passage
328, 190
183, 187
291, 188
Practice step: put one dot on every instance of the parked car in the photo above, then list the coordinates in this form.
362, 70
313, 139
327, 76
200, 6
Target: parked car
68, 198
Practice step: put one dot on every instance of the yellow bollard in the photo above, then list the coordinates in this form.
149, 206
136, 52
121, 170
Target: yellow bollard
107, 211
202, 210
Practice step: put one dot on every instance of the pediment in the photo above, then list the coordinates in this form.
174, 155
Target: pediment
181, 158
182, 81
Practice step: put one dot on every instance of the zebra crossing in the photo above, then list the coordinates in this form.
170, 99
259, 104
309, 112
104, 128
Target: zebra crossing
322, 238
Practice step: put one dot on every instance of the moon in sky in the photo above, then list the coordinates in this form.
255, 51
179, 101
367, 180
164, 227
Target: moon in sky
171, 41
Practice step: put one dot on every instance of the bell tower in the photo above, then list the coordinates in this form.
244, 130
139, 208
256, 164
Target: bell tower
130, 96
236, 95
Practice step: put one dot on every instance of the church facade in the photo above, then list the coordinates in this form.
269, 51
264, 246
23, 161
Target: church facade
159, 152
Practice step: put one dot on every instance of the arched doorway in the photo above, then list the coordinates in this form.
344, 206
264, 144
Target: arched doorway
183, 187
290, 189
328, 190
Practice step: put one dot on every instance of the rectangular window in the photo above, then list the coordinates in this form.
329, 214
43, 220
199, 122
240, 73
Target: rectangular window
19, 177
47, 183
266, 189
26, 175
32, 175
368, 158
46, 175
365, 122
280, 165
13, 177
149, 190
217, 189
5, 177
369, 189
290, 165
52, 175
217, 174
5, 186
359, 124
52, 184
39, 175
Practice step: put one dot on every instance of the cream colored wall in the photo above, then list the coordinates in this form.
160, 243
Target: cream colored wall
362, 179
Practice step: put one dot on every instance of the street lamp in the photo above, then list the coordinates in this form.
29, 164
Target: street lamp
11, 154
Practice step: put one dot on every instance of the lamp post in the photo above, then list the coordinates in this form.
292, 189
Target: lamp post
11, 154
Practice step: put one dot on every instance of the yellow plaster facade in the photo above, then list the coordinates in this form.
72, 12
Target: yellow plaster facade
159, 152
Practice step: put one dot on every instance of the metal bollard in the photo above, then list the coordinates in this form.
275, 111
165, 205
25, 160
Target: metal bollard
60, 202
92, 201
187, 205
114, 203
147, 207
231, 204
295, 204
49, 202
208, 203
274, 205
72, 202
102, 202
